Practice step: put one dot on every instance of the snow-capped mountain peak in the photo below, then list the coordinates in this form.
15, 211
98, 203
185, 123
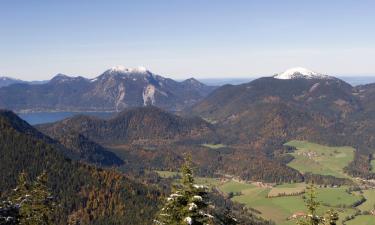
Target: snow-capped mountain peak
123, 69
300, 72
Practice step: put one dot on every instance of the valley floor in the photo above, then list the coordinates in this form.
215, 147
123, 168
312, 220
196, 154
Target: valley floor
283, 203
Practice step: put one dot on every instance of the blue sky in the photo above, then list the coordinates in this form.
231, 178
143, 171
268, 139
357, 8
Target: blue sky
180, 39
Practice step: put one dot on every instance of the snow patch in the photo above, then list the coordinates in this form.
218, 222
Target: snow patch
199, 186
300, 72
123, 69
197, 198
192, 206
188, 220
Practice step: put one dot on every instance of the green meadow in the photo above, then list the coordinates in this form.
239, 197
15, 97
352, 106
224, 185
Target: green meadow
369, 204
234, 186
166, 174
208, 181
362, 220
278, 203
287, 189
279, 209
320, 159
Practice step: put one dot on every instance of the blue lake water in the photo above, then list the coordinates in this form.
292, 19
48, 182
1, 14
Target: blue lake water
49, 117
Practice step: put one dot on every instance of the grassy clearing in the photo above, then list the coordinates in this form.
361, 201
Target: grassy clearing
320, 159
234, 186
279, 209
287, 189
166, 174
214, 146
208, 181
362, 220
336, 196
369, 204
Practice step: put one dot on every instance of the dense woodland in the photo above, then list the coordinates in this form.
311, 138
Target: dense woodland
85, 194
76, 186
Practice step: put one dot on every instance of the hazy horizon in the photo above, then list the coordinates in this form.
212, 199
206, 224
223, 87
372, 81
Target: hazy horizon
211, 80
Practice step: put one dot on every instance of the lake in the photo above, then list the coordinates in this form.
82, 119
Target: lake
49, 117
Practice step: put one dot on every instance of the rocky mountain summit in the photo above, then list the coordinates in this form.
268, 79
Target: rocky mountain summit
114, 90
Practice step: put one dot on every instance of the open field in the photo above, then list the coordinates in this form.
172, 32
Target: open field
369, 204
279, 209
320, 159
287, 189
362, 220
233, 186
208, 181
166, 174
336, 196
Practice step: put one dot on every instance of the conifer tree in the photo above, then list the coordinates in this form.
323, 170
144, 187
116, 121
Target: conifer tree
42, 201
188, 204
312, 218
34, 201
331, 217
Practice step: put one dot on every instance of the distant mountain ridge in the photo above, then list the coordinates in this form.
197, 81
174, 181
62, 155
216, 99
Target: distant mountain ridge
6, 81
114, 90
330, 95
270, 109
299, 104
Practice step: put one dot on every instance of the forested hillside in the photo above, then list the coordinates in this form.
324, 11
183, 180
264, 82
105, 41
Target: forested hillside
78, 187
268, 112
133, 125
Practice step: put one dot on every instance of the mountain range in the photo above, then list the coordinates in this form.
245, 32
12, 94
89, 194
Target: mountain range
297, 104
6, 81
233, 130
253, 119
114, 90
